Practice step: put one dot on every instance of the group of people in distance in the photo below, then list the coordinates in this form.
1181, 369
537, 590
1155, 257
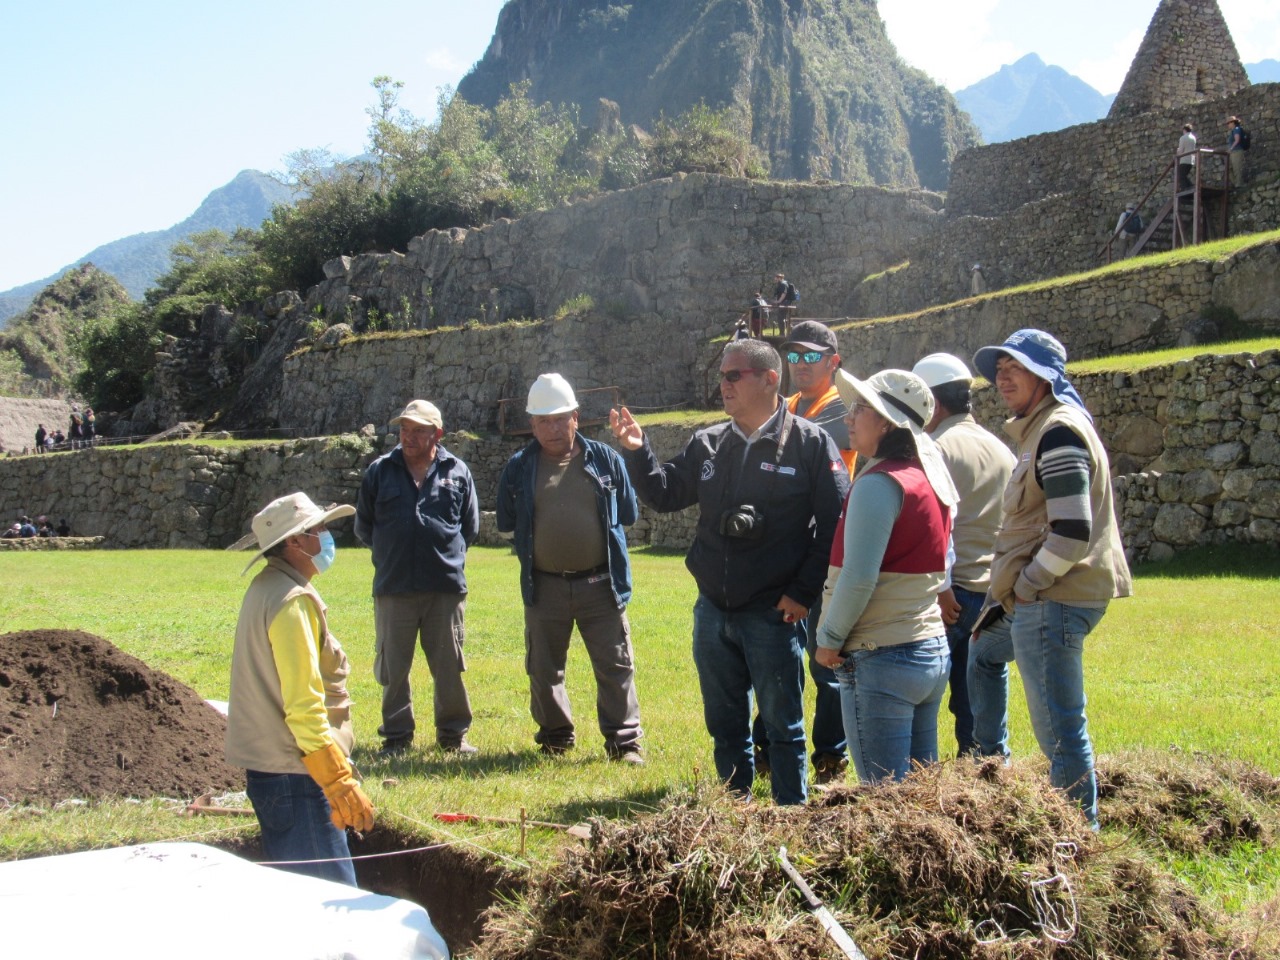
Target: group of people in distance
942, 560
785, 299
41, 526
82, 432
1129, 225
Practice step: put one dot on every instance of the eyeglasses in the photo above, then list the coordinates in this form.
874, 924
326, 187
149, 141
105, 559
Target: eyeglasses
733, 376
857, 408
809, 356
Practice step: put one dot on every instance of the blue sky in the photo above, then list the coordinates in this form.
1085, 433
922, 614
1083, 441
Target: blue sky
120, 118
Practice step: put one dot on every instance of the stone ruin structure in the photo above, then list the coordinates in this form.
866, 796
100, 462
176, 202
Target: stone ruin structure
1187, 56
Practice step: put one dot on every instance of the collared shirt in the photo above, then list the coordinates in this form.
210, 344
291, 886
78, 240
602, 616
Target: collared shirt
419, 535
828, 412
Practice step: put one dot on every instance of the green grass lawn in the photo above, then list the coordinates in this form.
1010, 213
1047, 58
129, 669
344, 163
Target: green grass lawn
1190, 663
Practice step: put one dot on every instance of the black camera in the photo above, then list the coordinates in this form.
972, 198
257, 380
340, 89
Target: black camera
744, 523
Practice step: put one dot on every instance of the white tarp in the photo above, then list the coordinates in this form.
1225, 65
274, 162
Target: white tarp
188, 900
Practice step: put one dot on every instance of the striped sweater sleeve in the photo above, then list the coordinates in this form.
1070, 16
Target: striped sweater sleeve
1063, 469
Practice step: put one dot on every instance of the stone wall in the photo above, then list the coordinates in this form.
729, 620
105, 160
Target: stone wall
1196, 443
1099, 315
19, 417
1044, 206
688, 251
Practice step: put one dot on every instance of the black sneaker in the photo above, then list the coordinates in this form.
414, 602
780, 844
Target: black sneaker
828, 767
631, 755
555, 749
395, 748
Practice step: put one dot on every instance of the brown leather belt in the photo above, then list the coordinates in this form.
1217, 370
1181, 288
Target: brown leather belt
576, 574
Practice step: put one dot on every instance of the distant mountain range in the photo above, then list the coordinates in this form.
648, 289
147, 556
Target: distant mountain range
1030, 97
137, 260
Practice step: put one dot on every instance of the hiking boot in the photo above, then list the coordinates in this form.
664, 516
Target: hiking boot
395, 748
763, 769
631, 755
461, 748
555, 749
828, 767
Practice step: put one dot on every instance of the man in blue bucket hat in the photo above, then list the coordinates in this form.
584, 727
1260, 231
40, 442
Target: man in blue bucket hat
1058, 563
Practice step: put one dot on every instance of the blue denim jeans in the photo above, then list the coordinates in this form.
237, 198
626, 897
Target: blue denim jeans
738, 652
958, 641
297, 832
1046, 639
891, 698
827, 733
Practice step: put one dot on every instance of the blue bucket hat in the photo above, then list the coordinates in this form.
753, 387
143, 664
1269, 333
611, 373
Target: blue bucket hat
1042, 354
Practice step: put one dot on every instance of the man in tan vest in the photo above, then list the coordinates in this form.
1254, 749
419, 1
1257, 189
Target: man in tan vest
289, 716
1058, 563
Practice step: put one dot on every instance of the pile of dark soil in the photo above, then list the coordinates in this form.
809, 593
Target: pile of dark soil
81, 719
959, 861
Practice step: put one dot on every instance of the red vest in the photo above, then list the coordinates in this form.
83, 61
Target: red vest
918, 542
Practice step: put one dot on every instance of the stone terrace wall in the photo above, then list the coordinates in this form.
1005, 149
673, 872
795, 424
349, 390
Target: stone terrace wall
466, 372
1044, 206
1101, 315
1111, 161
689, 250
1198, 439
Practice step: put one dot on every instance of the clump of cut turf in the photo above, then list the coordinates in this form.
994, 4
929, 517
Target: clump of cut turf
1189, 805
961, 860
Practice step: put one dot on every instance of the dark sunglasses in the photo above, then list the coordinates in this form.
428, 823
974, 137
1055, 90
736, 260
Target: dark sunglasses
809, 356
733, 376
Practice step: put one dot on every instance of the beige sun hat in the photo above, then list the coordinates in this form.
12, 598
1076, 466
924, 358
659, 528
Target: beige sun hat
282, 518
421, 411
905, 400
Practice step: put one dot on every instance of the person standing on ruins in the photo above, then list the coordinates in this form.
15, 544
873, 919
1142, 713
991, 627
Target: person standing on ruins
1235, 151
41, 436
768, 487
567, 500
813, 357
980, 465
1187, 151
289, 714
1058, 563
418, 511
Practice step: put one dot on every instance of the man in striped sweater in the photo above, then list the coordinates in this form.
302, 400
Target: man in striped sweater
1058, 563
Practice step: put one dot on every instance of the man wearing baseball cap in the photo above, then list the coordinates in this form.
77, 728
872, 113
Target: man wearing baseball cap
289, 715
567, 500
418, 511
1058, 563
979, 463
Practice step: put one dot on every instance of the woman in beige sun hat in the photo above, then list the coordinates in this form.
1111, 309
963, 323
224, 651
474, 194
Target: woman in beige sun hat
881, 628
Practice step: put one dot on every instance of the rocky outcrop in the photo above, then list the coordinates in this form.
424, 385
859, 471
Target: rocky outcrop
817, 82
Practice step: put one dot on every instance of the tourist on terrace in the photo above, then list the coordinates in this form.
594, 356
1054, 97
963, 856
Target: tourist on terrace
42, 435
1187, 153
1058, 563
1235, 151
882, 631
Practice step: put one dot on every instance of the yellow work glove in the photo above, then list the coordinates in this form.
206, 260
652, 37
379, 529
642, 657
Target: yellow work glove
350, 807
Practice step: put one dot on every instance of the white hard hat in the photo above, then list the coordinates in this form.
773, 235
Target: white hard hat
550, 395
939, 368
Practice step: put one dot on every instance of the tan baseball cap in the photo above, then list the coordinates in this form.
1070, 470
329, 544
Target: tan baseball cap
421, 411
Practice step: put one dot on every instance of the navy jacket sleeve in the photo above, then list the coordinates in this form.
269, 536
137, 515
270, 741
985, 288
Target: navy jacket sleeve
508, 482
364, 504
470, 512
666, 487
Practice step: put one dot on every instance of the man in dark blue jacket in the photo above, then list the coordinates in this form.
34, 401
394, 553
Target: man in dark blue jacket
419, 512
769, 487
566, 500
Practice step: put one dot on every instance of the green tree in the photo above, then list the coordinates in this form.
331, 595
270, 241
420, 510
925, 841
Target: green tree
118, 356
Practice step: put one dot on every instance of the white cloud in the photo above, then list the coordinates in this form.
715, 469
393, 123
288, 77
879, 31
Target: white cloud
950, 41
1255, 27
445, 60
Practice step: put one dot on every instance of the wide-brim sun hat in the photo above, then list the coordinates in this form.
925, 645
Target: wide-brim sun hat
905, 400
1042, 354
420, 411
286, 516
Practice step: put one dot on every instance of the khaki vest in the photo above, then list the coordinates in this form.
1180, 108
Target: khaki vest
257, 736
1103, 574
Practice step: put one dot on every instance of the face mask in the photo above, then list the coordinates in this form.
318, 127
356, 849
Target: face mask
328, 551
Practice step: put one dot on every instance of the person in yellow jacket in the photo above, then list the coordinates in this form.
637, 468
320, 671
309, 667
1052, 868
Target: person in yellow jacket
289, 714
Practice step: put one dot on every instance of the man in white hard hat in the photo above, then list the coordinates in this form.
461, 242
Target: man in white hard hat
566, 500
980, 465
289, 715
768, 486
418, 511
